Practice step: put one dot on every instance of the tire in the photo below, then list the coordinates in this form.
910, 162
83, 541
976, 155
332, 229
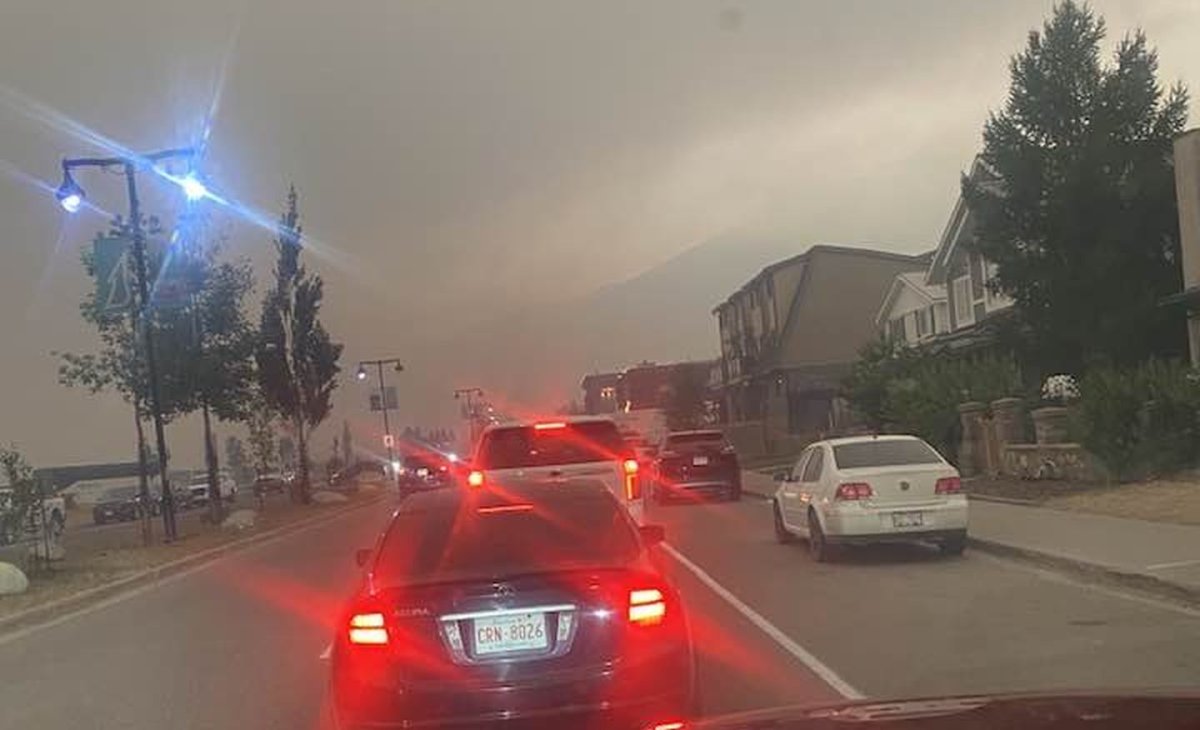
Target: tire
953, 545
818, 546
781, 532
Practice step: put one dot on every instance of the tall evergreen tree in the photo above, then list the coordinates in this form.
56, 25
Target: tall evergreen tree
1077, 209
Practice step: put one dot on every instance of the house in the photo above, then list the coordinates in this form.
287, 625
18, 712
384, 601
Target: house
964, 275
600, 393
791, 333
1187, 195
913, 312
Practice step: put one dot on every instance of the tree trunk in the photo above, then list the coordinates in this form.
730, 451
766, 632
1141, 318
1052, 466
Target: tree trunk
210, 463
143, 484
303, 492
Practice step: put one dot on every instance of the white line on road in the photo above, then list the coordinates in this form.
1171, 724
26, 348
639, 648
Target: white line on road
1176, 564
783, 640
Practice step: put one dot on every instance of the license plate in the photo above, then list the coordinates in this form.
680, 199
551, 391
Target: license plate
699, 461
907, 519
518, 632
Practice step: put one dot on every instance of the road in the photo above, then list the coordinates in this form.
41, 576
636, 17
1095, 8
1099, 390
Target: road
238, 643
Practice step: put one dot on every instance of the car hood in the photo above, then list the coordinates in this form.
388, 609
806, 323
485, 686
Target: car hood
1096, 711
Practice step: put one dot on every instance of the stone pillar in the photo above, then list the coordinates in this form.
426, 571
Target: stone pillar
971, 449
1050, 424
1007, 415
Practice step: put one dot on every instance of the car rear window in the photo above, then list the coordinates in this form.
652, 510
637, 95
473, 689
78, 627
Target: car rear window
884, 452
467, 542
680, 439
571, 443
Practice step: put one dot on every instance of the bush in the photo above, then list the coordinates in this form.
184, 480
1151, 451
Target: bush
1140, 421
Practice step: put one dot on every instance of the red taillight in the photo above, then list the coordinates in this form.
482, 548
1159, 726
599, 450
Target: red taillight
503, 508
673, 725
549, 426
368, 629
854, 490
475, 479
948, 485
647, 607
631, 466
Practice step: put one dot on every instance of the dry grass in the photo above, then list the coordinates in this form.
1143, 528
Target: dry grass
92, 565
1174, 499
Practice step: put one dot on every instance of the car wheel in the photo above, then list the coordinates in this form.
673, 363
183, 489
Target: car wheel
953, 545
818, 546
781, 530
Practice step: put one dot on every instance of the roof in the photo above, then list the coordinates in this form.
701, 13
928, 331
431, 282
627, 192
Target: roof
865, 439
819, 248
599, 377
915, 282
697, 432
522, 422
981, 173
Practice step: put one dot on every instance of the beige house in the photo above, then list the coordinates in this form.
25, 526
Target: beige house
791, 333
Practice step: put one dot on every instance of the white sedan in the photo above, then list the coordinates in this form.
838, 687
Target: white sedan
871, 489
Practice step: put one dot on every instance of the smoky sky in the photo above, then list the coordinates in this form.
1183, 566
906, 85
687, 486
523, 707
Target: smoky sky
456, 160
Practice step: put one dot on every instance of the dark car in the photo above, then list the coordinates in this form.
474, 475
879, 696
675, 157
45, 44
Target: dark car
268, 482
538, 605
122, 504
694, 463
426, 470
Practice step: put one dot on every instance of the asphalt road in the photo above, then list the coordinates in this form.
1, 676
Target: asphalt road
238, 643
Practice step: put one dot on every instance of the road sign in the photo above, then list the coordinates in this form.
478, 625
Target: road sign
112, 260
389, 394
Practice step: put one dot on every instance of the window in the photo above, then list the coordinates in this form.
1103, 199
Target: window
964, 309
992, 300
812, 470
715, 438
523, 446
884, 452
798, 467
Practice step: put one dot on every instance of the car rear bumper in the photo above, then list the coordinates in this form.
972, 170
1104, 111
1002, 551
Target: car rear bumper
657, 691
708, 485
861, 523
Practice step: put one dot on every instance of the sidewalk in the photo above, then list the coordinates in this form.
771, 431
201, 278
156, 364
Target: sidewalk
1159, 557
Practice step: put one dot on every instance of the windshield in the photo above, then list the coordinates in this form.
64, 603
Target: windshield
884, 452
878, 319
526, 446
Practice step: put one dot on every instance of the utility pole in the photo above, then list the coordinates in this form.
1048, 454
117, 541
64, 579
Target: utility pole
470, 412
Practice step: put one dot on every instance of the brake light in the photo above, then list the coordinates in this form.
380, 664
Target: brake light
948, 485
854, 490
368, 629
728, 449
475, 479
631, 466
501, 508
647, 607
674, 725
633, 487
549, 426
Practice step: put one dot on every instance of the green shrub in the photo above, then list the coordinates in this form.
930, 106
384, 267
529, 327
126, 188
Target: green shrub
1140, 421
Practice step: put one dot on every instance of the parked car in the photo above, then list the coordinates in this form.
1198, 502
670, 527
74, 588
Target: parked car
122, 504
54, 509
268, 482
198, 489
867, 489
700, 462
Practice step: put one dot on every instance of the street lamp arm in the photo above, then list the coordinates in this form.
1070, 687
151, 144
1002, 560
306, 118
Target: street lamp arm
135, 160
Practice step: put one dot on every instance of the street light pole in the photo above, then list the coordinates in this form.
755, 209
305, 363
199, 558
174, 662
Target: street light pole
70, 196
472, 416
383, 406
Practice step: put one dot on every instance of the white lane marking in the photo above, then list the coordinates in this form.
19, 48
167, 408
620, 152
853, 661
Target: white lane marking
328, 651
1168, 566
806, 657
174, 577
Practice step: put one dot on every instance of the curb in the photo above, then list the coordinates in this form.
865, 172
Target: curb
80, 599
1004, 500
1092, 572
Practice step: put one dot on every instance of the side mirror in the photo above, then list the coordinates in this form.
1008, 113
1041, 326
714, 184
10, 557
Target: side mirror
783, 476
361, 556
652, 534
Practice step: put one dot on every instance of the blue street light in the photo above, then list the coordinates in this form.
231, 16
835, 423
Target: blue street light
193, 189
69, 194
